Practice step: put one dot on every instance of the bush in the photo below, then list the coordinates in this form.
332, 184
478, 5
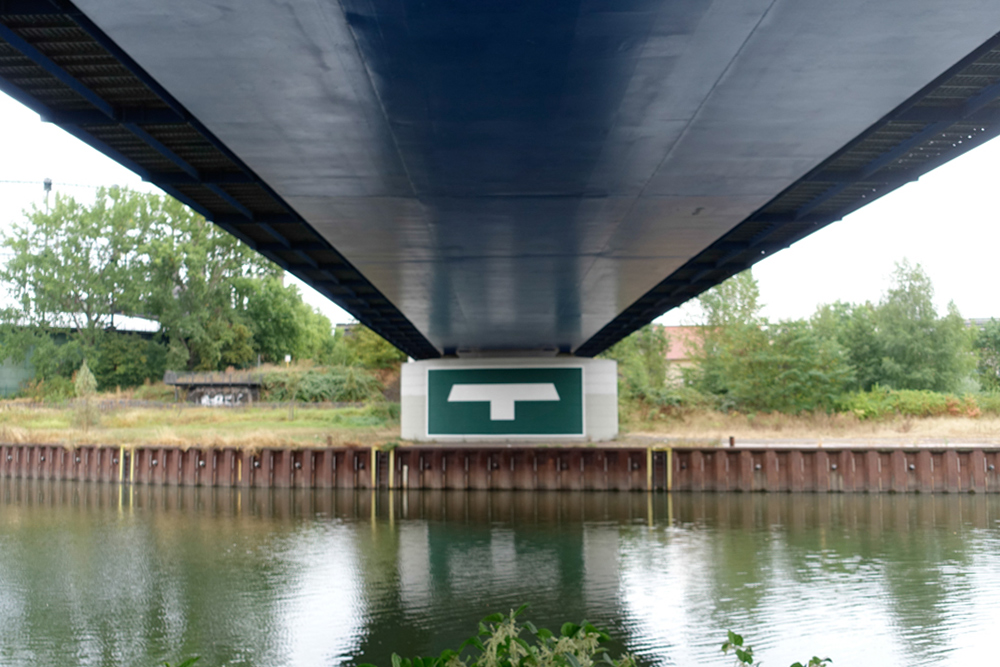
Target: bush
128, 360
989, 402
56, 389
336, 384
504, 642
881, 402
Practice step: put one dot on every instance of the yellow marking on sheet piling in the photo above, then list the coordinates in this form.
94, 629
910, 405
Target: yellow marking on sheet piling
374, 466
670, 468
649, 469
392, 463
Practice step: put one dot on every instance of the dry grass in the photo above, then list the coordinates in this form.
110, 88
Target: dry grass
712, 426
259, 427
247, 428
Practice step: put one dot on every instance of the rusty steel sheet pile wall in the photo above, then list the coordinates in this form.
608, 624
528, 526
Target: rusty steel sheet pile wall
863, 470
496, 468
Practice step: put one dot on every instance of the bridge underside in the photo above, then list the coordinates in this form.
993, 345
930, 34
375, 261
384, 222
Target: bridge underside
514, 175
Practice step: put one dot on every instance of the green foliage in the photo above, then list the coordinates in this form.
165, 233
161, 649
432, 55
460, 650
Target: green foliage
503, 641
199, 280
987, 345
85, 384
732, 325
642, 366
73, 268
283, 324
881, 402
786, 367
128, 360
744, 653
902, 342
337, 384
50, 354
56, 389
373, 415
370, 350
989, 402
87, 414
919, 349
735, 301
187, 663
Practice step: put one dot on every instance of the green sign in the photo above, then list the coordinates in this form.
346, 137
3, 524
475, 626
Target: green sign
505, 401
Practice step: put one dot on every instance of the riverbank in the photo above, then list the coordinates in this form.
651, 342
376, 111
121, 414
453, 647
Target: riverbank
710, 427
377, 424
185, 425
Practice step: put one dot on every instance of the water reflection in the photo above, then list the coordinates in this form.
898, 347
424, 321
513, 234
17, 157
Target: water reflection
97, 574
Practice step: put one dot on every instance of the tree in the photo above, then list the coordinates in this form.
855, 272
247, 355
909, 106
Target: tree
988, 346
732, 324
75, 268
200, 281
855, 329
752, 364
642, 364
283, 324
901, 342
786, 367
919, 349
86, 387
371, 350
734, 301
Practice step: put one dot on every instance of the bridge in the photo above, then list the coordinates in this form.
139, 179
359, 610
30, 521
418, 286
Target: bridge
509, 180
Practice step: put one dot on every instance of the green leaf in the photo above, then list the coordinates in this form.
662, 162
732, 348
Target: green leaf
520, 609
544, 633
735, 639
531, 627
493, 618
571, 659
397, 661
569, 629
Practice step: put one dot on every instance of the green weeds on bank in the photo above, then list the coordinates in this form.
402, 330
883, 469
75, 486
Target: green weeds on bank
744, 654
503, 641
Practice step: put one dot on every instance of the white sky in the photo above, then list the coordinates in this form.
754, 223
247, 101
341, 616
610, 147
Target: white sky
947, 222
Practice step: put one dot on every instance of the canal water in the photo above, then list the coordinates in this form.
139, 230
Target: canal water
95, 574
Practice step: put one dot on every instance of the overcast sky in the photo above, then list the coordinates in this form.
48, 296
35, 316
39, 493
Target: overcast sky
947, 222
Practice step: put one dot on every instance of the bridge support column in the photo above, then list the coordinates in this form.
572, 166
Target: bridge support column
533, 398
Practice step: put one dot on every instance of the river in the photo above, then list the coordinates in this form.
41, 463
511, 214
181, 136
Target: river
94, 574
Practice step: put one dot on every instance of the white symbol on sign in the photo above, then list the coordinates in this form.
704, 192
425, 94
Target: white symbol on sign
502, 396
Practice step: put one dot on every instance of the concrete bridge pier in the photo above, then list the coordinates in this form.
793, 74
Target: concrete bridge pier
525, 398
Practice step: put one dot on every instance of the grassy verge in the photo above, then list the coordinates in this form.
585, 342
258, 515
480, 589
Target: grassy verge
705, 425
217, 427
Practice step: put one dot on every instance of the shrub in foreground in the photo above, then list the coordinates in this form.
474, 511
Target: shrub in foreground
881, 402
